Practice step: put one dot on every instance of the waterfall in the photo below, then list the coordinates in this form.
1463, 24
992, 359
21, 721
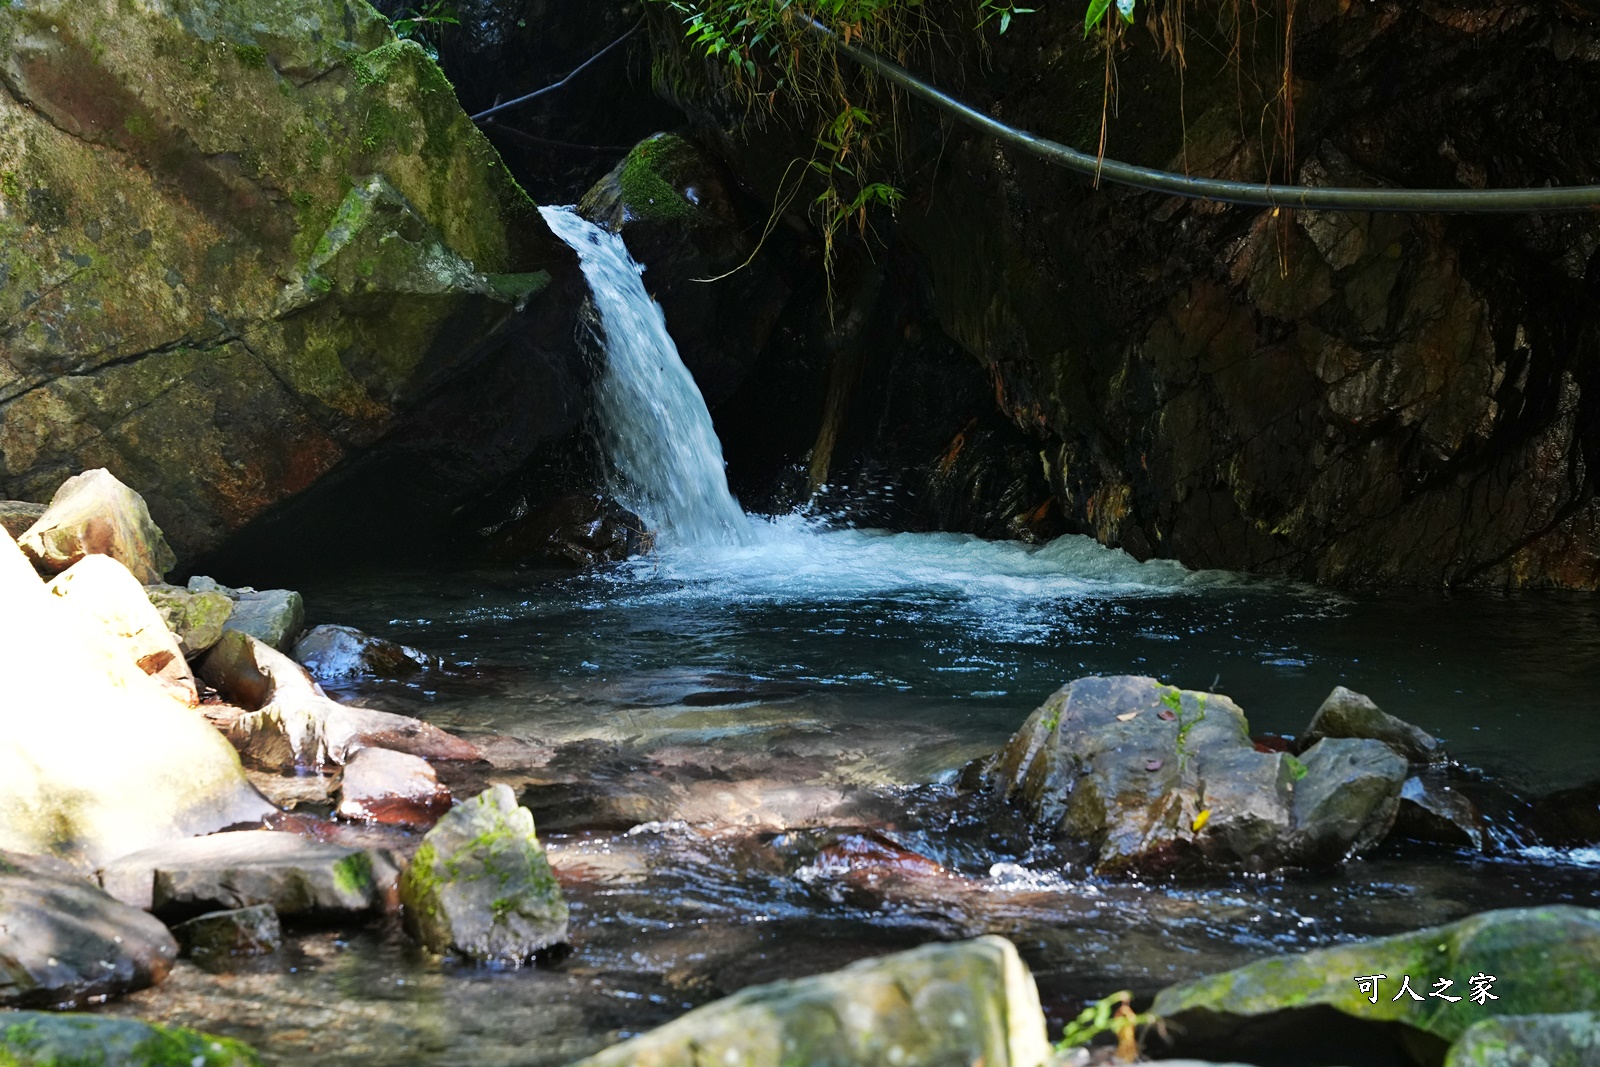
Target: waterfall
665, 460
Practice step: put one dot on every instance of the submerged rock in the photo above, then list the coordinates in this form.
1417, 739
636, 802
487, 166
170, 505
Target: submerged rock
343, 653
577, 530
252, 931
65, 942
96, 759
1158, 779
391, 789
481, 887
965, 1003
49, 1039
1350, 714
94, 513
1566, 1040
196, 619
288, 722
296, 876
1529, 960
112, 599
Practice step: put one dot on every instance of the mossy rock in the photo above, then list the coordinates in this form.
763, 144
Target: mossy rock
1567, 1040
1541, 959
480, 887
238, 240
49, 1039
661, 179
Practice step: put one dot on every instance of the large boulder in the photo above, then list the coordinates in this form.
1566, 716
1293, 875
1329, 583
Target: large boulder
95, 513
96, 759
295, 875
480, 886
1571, 1039
936, 1006
48, 1039
1536, 959
65, 942
242, 242
288, 723
111, 599
1160, 779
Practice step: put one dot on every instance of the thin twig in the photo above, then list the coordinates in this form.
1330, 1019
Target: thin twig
480, 116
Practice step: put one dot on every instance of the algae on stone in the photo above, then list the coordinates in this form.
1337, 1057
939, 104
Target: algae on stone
49, 1039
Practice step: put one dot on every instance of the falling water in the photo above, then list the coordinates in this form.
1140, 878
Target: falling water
664, 454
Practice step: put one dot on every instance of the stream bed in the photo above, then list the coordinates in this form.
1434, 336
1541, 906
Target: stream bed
808, 697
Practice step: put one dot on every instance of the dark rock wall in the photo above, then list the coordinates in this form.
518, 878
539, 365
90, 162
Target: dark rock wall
1352, 398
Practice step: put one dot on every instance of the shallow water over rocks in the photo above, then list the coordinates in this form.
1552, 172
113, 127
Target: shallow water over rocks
744, 767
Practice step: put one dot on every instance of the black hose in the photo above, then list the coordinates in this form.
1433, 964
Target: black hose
1321, 198
480, 116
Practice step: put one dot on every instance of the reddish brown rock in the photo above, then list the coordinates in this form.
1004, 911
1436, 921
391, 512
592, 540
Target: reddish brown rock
391, 788
94, 513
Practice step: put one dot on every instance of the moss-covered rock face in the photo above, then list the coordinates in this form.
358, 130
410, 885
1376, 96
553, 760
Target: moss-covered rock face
45, 1039
1540, 960
235, 238
1568, 1040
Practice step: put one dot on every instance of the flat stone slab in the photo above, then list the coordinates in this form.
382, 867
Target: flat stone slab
48, 1039
296, 876
65, 943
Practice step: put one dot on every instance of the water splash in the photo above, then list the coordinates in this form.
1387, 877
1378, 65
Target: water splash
665, 458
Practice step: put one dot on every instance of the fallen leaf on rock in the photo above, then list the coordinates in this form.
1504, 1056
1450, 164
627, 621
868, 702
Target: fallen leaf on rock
1153, 764
1200, 820
1125, 717
1165, 716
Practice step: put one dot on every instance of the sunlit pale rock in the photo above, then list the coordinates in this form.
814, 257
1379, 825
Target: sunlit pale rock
392, 789
965, 1003
111, 598
96, 513
287, 721
274, 617
96, 759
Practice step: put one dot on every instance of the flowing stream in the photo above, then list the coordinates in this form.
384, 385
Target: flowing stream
706, 719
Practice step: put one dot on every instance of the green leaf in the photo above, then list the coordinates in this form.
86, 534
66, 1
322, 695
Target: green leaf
1097, 11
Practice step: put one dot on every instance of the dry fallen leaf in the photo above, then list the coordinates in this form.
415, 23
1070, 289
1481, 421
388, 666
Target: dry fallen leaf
1125, 717
1200, 820
1165, 715
1152, 764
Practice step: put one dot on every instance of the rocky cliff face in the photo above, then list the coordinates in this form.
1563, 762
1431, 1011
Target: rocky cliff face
246, 243
1352, 398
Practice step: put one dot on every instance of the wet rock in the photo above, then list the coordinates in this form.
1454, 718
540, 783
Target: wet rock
1568, 818
1566, 1040
343, 653
576, 529
94, 513
1350, 714
195, 619
109, 597
50, 1039
1129, 765
391, 788
964, 1003
481, 887
288, 722
295, 876
274, 617
1433, 810
1541, 960
252, 931
1346, 801
96, 759
17, 515
333, 205
65, 942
